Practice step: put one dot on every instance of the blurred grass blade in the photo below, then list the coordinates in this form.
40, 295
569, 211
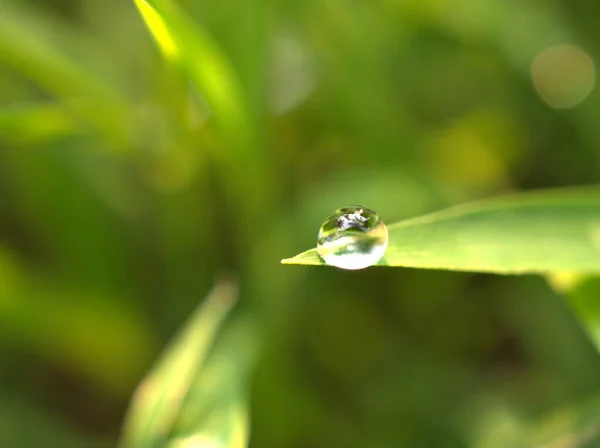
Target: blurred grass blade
32, 54
242, 162
215, 412
571, 425
538, 232
186, 44
36, 123
157, 402
583, 293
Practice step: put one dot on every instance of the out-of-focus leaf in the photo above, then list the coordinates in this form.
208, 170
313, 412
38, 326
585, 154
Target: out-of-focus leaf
30, 53
96, 253
539, 232
498, 424
40, 316
572, 425
186, 44
242, 161
583, 294
157, 403
215, 411
34, 124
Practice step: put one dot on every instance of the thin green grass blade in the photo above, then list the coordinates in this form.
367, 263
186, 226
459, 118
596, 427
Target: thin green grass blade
36, 123
582, 293
215, 412
241, 161
570, 425
556, 230
157, 403
187, 45
25, 50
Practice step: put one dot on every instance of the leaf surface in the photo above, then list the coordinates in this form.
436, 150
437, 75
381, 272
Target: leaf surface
157, 404
33, 54
242, 164
555, 230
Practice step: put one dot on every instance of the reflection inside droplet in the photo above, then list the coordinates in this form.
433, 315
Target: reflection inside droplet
352, 238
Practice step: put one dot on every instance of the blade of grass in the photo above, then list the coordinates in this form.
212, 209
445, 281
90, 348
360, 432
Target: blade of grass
39, 315
553, 230
215, 411
35, 123
157, 402
574, 424
582, 293
240, 158
186, 44
34, 56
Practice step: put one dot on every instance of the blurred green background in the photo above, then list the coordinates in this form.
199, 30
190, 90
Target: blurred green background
125, 193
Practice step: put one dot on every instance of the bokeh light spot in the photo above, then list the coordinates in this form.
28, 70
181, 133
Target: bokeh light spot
292, 73
563, 75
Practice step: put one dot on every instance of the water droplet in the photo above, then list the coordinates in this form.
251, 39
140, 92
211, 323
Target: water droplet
352, 237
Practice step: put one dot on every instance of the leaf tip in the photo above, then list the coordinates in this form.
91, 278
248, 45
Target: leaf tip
159, 29
306, 258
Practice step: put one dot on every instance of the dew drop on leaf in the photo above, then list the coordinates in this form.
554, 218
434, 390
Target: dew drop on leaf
352, 237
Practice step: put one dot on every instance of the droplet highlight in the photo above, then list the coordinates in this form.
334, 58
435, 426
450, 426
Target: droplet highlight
352, 237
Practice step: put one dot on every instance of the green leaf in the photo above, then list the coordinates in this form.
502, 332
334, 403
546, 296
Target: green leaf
244, 167
555, 230
186, 44
572, 424
215, 412
29, 51
157, 403
582, 293
35, 123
